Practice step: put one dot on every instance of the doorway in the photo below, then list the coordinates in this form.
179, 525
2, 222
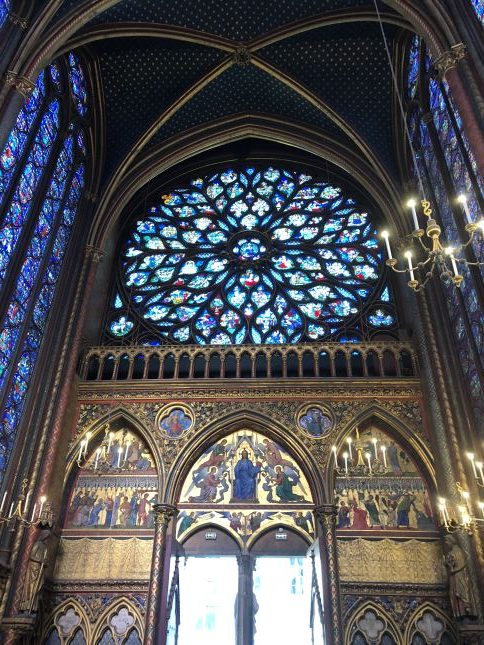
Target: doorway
266, 592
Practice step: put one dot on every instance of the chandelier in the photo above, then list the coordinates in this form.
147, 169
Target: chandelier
432, 257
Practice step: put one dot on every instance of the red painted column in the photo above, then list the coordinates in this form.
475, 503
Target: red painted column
154, 631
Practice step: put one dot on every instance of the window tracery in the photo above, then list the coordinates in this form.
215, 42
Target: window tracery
251, 256
42, 170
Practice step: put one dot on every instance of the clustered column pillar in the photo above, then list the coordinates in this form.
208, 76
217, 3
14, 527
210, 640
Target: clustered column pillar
163, 513
326, 515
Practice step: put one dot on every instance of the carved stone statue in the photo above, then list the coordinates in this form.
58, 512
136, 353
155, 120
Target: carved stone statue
460, 587
34, 577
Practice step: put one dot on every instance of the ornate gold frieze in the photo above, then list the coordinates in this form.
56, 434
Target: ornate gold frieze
22, 84
107, 559
391, 561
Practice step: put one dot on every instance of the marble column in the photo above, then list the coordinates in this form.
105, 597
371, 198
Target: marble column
154, 631
326, 515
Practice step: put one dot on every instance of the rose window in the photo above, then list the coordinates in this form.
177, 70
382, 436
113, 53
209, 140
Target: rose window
250, 256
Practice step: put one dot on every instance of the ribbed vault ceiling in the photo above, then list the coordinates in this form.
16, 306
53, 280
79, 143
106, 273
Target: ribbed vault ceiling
169, 67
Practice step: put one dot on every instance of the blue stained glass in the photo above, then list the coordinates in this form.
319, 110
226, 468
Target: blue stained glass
381, 318
55, 75
232, 265
28, 273
121, 326
78, 84
478, 6
413, 67
18, 137
31, 346
16, 215
4, 9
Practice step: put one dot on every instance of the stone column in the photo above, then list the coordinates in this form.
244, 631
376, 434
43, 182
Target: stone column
154, 631
245, 616
326, 516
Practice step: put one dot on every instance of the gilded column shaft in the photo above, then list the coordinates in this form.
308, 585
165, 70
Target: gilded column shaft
163, 515
326, 515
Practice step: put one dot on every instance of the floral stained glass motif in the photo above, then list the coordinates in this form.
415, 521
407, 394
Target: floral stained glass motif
78, 84
16, 215
260, 256
29, 272
17, 140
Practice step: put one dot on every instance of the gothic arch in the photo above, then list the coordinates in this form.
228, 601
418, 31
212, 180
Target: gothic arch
103, 621
97, 428
370, 606
232, 422
61, 610
395, 429
437, 612
374, 180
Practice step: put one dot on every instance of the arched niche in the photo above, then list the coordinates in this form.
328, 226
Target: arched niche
429, 625
120, 624
245, 483
67, 625
370, 624
114, 482
381, 486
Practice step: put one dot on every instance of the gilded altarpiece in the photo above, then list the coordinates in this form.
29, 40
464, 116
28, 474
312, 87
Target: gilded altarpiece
142, 439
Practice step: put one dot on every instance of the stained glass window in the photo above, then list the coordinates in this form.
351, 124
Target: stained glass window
78, 84
463, 307
4, 9
478, 6
38, 167
413, 67
17, 140
253, 255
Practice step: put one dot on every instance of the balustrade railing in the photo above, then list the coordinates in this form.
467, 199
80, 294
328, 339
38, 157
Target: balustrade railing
384, 359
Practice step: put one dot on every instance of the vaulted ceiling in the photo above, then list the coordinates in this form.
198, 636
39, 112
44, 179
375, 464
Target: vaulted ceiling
171, 67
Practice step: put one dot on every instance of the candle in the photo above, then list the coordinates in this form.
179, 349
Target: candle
374, 441
111, 434
384, 453
462, 199
43, 499
27, 500
126, 451
481, 506
368, 457
11, 510
98, 452
345, 457
349, 448
480, 468
449, 252
120, 452
33, 513
3, 501
408, 255
443, 510
411, 204
464, 515
470, 457
88, 436
386, 235
335, 453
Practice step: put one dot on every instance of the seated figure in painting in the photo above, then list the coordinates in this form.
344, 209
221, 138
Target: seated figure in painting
284, 486
245, 473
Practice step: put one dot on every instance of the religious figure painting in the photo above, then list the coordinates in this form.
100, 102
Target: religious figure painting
316, 422
176, 422
120, 451
112, 503
379, 488
245, 468
242, 522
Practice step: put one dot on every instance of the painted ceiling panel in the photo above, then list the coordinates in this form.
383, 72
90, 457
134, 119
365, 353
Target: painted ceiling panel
238, 20
346, 66
245, 89
140, 79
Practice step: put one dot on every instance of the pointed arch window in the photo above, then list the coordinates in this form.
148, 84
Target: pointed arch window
42, 176
447, 167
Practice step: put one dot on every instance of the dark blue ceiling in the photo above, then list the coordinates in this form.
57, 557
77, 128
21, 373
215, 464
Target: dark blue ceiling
238, 20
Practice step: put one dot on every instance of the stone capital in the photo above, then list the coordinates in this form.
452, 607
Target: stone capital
94, 253
326, 515
164, 513
449, 59
22, 84
16, 19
